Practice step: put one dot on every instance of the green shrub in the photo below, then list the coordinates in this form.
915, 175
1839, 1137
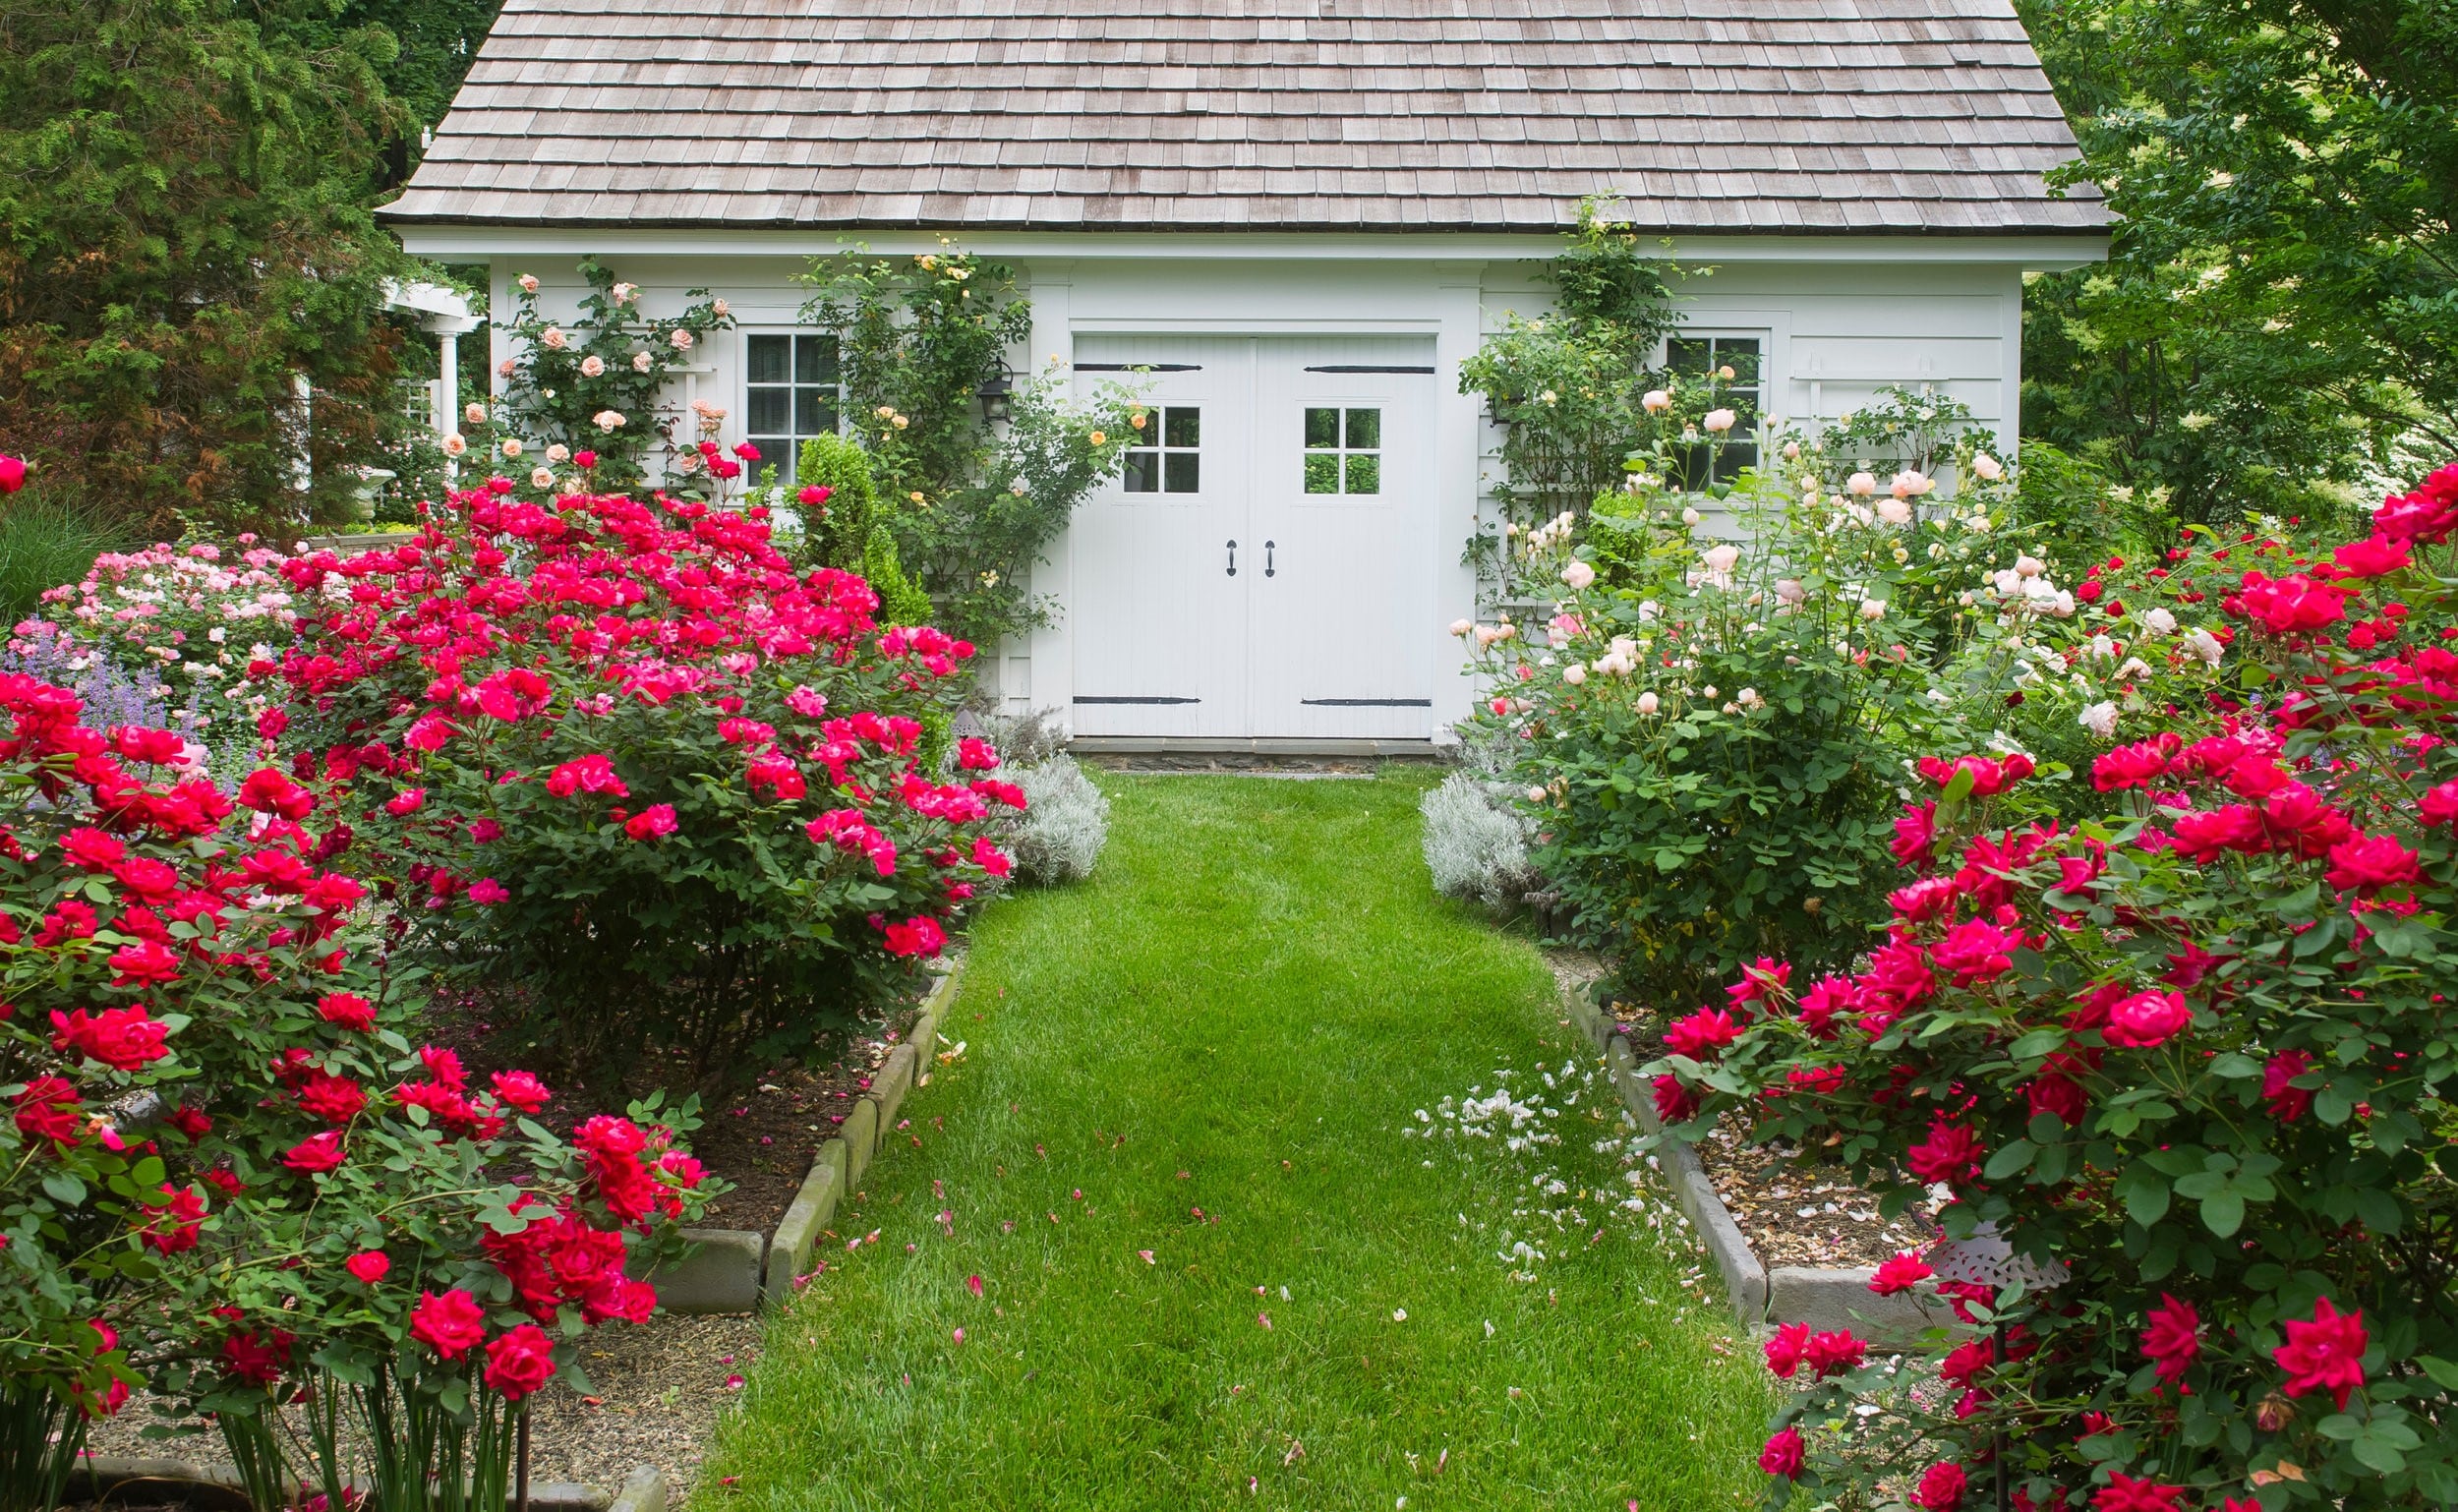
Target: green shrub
1712, 727
900, 600
840, 533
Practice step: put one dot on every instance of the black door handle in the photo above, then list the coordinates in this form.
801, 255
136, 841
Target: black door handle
1232, 558
1268, 569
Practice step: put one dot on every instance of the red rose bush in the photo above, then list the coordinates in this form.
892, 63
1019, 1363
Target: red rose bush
2195, 1051
227, 1171
634, 770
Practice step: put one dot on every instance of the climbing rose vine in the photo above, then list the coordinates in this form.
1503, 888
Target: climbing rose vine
2198, 1052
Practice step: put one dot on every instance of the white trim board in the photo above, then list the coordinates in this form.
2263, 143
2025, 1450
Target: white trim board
479, 242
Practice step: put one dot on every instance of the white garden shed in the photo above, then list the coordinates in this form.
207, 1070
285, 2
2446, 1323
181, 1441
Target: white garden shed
1300, 215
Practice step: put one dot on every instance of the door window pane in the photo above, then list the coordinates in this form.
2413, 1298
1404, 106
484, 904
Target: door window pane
1343, 451
793, 393
1166, 456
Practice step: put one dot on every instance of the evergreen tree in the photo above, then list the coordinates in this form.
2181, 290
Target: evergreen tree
184, 244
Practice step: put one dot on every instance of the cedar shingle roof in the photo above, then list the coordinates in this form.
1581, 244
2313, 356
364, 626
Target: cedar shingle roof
1489, 115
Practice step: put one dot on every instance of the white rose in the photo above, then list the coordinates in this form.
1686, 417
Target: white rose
1648, 703
1691, 517
2205, 645
1574, 675
1578, 576
1873, 609
1717, 421
2100, 719
2159, 621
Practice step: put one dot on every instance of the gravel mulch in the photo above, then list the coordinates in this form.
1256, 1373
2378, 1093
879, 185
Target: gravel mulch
659, 1388
1806, 1215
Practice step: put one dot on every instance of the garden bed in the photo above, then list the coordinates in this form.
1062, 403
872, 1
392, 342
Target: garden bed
1792, 1214
760, 1136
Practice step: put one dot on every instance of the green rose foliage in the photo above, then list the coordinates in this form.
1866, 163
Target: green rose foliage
2193, 1054
229, 1171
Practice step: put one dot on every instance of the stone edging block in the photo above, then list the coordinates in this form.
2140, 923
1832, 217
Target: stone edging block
735, 1270
643, 1490
1822, 1296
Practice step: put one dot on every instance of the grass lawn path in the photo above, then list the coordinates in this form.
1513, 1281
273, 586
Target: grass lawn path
1190, 1105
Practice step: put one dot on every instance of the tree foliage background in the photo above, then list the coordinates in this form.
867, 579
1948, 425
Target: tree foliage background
184, 234
2278, 321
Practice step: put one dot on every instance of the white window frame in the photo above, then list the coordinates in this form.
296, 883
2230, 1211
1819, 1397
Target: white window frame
1767, 339
794, 438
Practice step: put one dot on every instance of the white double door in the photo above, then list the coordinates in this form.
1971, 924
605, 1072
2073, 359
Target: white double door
1266, 565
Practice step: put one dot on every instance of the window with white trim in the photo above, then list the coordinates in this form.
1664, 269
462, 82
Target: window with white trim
1734, 363
792, 391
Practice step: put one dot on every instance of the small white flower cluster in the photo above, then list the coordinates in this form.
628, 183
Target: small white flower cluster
1554, 1205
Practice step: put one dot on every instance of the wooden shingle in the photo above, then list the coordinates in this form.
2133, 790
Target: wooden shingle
1488, 115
